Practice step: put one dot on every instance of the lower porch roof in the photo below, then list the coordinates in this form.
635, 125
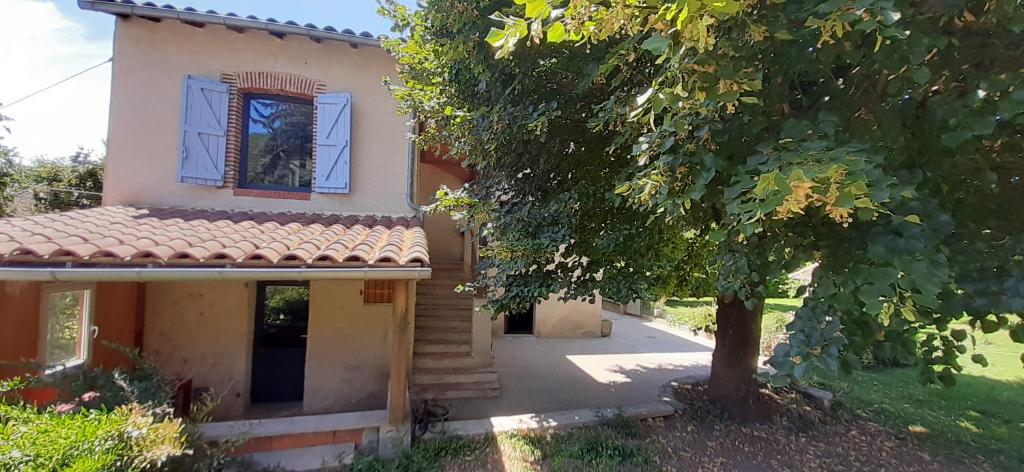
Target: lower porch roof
184, 238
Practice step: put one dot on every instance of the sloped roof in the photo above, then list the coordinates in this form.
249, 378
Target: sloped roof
151, 10
175, 236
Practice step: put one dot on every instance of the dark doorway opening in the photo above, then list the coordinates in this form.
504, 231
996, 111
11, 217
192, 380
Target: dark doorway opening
520, 322
279, 342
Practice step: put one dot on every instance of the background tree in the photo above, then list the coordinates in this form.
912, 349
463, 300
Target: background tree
7, 168
65, 183
881, 137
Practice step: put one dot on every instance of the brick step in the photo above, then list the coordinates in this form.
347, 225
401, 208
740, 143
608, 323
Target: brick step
448, 360
442, 335
444, 323
453, 391
425, 346
453, 376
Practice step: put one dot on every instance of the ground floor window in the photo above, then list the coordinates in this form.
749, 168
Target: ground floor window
279, 342
66, 325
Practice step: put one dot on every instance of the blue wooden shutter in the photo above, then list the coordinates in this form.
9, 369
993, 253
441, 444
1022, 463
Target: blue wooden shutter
333, 142
204, 126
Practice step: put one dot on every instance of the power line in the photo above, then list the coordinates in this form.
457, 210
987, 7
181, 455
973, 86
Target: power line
48, 87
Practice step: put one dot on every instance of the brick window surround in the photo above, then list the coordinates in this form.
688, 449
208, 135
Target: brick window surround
275, 83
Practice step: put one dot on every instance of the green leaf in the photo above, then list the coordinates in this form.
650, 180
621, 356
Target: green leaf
656, 44
537, 9
890, 16
947, 378
726, 7
779, 381
1017, 333
958, 334
913, 219
922, 74
717, 236
496, 36
954, 138
980, 360
989, 326
556, 33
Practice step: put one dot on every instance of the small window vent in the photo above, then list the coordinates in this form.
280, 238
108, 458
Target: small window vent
378, 291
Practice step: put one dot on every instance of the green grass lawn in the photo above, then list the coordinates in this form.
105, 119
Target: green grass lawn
699, 313
982, 415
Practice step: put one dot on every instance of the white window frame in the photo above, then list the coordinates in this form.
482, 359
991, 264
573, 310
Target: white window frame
89, 329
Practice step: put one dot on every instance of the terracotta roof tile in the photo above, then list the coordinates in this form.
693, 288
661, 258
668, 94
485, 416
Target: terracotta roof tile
176, 236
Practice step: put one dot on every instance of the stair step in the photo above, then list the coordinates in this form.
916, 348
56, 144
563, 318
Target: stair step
443, 323
444, 300
453, 376
443, 294
448, 360
432, 312
421, 329
454, 317
464, 337
453, 391
425, 346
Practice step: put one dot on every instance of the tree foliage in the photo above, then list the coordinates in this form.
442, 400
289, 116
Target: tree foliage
619, 142
46, 185
64, 183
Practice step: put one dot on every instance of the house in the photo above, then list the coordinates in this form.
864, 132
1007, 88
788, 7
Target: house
261, 238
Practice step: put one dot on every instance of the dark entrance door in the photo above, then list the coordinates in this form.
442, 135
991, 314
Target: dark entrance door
279, 342
520, 322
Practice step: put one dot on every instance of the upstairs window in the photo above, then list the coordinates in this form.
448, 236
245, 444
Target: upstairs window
277, 143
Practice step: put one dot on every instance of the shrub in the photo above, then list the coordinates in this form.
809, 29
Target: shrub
106, 420
128, 438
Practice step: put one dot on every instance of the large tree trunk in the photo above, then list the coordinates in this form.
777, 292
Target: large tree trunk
734, 362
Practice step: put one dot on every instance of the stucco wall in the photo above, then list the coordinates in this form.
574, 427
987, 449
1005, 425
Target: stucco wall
573, 319
19, 325
557, 319
118, 315
150, 62
347, 353
203, 330
443, 235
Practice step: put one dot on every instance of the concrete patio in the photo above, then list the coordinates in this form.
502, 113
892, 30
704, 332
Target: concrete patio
542, 375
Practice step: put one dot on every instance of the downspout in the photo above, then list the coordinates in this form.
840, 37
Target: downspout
410, 195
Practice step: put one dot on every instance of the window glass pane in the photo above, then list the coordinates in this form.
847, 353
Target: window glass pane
280, 143
65, 314
285, 315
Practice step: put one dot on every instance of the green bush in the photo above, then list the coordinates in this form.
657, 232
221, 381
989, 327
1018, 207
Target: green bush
106, 420
127, 438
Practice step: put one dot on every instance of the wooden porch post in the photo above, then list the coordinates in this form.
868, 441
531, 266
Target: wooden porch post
398, 398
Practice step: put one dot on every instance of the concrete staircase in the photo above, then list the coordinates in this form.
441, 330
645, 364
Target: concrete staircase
443, 362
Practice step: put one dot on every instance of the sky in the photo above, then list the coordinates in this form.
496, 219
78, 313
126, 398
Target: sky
44, 41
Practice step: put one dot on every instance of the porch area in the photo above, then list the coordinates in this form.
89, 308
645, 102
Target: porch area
299, 326
544, 375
